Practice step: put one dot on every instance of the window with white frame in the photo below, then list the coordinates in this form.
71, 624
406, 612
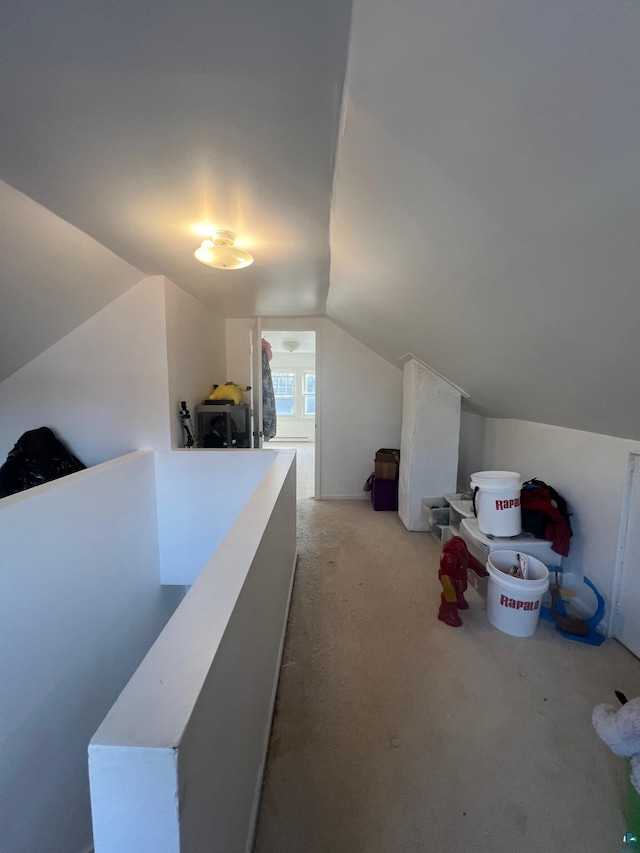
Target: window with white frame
309, 394
284, 388
295, 392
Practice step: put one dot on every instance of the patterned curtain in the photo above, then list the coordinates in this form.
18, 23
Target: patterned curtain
269, 419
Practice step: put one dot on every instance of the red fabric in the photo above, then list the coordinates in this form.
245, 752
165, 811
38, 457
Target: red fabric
455, 554
558, 530
266, 346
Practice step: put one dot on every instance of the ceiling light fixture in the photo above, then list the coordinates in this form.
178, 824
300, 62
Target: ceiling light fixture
290, 346
220, 252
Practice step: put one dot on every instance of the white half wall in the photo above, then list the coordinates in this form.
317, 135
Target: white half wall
195, 353
103, 388
200, 494
188, 775
80, 605
589, 471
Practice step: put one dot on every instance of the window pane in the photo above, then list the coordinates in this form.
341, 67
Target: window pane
284, 405
310, 404
283, 383
310, 383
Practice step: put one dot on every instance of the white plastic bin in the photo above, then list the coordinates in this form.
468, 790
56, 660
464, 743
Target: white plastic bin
497, 502
513, 604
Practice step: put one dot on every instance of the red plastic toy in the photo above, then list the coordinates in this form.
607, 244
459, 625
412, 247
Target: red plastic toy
454, 562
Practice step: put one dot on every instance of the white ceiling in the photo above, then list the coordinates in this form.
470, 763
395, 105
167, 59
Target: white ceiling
484, 209
306, 340
136, 121
486, 214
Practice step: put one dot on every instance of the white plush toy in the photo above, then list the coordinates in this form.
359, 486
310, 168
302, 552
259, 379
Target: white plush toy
619, 728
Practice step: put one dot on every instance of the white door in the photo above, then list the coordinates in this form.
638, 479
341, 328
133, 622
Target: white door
626, 617
256, 384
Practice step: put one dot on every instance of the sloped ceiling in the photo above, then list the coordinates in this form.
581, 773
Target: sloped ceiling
53, 277
486, 194
136, 121
486, 213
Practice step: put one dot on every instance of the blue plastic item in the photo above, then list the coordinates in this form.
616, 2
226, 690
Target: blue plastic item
593, 638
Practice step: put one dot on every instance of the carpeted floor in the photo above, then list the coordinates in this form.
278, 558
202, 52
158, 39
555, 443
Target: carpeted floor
394, 733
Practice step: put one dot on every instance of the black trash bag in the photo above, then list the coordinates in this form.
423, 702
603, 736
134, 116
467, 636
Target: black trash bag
217, 434
37, 457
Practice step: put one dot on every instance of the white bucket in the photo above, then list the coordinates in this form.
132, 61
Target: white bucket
497, 502
513, 604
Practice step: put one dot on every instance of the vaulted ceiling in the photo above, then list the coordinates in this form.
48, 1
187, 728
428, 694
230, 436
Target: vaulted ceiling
470, 192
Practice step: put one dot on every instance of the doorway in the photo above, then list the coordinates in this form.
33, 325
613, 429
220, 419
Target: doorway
293, 372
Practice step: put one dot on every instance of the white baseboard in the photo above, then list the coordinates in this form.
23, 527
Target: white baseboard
365, 496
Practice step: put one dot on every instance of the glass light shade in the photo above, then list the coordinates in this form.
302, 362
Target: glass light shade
222, 254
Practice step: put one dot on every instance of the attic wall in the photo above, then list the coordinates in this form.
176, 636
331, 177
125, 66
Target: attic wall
471, 447
360, 406
195, 353
54, 277
112, 385
589, 470
103, 388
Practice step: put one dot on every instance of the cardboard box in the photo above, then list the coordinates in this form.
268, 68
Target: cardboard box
387, 464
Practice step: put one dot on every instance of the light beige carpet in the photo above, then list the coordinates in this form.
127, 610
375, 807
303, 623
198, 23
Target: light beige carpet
394, 732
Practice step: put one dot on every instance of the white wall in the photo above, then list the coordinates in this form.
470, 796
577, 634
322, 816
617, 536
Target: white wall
80, 606
358, 401
54, 277
200, 494
103, 388
114, 384
195, 351
471, 447
361, 411
588, 469
238, 352
295, 426
429, 441
188, 776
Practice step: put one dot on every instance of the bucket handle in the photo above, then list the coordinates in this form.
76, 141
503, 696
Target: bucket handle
473, 500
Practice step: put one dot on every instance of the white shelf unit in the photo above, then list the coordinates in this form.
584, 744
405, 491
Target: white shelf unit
443, 515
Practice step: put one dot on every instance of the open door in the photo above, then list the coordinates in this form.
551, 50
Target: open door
256, 384
626, 613
293, 368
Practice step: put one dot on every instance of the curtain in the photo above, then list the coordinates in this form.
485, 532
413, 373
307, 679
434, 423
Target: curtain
269, 419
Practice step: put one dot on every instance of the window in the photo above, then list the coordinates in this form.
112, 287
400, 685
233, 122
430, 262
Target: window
309, 394
284, 391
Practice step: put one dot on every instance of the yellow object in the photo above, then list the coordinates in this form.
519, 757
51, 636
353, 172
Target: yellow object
448, 588
229, 391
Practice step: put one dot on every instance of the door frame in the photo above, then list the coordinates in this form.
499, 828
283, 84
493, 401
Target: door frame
308, 324
255, 348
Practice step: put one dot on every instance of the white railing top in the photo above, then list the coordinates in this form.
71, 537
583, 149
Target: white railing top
155, 706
